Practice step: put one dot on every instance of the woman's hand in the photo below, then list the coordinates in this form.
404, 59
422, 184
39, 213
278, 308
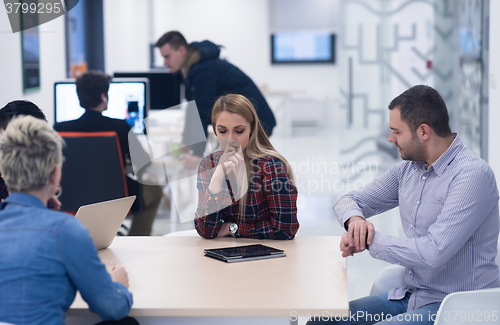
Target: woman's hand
118, 274
231, 160
224, 230
232, 156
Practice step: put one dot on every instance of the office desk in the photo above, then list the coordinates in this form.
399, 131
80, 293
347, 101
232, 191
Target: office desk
170, 276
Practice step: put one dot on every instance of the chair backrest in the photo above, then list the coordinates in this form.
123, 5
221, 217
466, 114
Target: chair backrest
93, 170
471, 307
388, 278
393, 276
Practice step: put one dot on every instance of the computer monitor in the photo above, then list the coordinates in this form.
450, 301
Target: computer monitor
164, 87
128, 100
302, 47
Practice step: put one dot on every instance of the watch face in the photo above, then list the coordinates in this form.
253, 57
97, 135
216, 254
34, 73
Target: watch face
233, 228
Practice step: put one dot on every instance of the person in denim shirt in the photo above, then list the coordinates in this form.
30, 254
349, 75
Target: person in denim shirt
47, 255
7, 113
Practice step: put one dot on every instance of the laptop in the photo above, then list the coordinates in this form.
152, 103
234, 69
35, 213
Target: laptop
244, 253
103, 219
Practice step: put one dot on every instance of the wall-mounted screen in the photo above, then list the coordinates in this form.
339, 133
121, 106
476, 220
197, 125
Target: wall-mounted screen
128, 100
302, 47
164, 89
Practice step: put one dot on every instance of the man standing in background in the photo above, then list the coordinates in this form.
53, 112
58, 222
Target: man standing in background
208, 77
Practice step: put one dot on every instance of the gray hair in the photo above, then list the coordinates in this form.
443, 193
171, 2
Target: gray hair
29, 151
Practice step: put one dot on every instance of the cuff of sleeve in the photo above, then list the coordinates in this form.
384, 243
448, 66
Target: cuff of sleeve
122, 290
245, 230
379, 245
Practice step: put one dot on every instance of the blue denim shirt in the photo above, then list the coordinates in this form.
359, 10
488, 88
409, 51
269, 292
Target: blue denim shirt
46, 256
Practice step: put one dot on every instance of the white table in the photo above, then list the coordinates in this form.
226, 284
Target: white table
170, 276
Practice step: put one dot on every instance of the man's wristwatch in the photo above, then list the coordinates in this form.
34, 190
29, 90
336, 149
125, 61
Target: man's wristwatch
233, 228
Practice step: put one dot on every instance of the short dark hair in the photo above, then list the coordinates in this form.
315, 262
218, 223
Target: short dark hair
17, 108
174, 39
90, 86
423, 105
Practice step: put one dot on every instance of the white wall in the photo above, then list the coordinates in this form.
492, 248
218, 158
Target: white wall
241, 26
126, 35
52, 61
494, 91
306, 15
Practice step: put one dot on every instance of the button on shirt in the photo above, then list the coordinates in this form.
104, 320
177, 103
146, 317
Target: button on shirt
450, 217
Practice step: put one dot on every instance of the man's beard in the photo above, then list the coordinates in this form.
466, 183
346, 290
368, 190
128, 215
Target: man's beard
415, 151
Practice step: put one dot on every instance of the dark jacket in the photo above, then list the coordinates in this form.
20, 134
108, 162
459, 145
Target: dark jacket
92, 121
212, 77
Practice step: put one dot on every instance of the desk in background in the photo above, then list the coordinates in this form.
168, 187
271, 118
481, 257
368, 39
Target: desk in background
170, 276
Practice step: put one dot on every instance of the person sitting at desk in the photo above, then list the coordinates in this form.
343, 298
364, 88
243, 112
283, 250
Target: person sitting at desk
7, 113
448, 204
246, 189
92, 89
47, 255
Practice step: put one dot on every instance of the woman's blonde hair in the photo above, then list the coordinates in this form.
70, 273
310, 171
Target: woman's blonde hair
258, 143
29, 151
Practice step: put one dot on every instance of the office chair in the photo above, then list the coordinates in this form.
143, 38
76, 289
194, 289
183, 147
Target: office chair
467, 307
93, 169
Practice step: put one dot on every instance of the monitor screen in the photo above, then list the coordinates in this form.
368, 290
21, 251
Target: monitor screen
128, 100
302, 47
164, 89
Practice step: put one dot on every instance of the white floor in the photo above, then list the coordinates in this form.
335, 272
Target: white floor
328, 161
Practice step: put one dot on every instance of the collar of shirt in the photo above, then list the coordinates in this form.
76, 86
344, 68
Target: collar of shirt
91, 113
24, 199
440, 165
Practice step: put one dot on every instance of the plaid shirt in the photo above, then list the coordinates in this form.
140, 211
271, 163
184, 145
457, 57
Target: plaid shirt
271, 206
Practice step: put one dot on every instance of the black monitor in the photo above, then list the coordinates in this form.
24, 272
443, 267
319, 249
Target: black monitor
164, 87
128, 100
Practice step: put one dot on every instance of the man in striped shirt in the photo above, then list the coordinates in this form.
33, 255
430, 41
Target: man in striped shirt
448, 202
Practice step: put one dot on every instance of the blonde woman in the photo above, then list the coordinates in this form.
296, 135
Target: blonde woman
47, 255
246, 189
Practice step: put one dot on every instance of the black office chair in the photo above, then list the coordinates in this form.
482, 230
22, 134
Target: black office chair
93, 169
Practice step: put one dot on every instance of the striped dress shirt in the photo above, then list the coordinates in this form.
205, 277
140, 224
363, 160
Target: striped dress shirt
449, 214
